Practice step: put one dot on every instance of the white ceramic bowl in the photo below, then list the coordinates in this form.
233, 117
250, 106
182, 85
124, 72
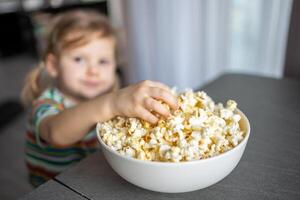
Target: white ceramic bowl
177, 177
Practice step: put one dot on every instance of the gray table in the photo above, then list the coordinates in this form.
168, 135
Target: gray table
54, 191
269, 168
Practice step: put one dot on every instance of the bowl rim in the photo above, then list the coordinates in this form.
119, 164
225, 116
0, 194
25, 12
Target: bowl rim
103, 145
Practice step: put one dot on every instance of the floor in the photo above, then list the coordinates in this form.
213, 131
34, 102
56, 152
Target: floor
13, 177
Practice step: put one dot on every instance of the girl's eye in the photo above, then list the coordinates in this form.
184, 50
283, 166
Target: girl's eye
103, 62
78, 59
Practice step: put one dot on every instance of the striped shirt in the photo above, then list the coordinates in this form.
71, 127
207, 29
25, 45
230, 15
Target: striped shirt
43, 160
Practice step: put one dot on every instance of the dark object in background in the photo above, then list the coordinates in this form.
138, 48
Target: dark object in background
292, 59
20, 34
9, 110
15, 35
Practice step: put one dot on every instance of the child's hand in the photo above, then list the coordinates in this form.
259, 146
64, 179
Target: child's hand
141, 99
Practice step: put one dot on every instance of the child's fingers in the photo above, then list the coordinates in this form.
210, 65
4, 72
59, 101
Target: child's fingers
147, 115
157, 84
162, 86
164, 95
153, 105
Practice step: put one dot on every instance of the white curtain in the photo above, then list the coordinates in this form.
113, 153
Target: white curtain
186, 43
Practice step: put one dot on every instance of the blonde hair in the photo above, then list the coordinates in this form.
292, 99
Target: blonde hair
68, 30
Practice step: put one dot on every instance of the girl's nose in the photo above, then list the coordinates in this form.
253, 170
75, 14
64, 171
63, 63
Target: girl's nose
92, 69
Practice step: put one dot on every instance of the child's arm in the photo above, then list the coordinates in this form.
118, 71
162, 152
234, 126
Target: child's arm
71, 125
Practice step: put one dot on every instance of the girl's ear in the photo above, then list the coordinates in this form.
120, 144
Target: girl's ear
51, 64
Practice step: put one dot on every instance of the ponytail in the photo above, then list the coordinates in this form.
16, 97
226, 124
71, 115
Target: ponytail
36, 82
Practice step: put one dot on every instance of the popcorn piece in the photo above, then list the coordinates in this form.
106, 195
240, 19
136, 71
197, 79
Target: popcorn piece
199, 129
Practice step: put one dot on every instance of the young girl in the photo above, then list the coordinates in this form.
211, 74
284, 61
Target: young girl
74, 88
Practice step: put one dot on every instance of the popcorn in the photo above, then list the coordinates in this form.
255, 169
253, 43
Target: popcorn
199, 129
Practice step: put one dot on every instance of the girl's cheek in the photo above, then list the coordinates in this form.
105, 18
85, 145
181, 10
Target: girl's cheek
108, 71
71, 75
76, 71
111, 73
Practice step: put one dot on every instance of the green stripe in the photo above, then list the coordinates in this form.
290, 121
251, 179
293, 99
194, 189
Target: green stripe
62, 150
54, 158
54, 151
64, 163
46, 166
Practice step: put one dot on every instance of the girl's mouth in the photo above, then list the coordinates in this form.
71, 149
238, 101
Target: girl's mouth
90, 83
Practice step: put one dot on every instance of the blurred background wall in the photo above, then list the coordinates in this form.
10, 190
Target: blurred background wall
183, 43
188, 43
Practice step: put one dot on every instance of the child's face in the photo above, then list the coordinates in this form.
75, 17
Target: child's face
87, 71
